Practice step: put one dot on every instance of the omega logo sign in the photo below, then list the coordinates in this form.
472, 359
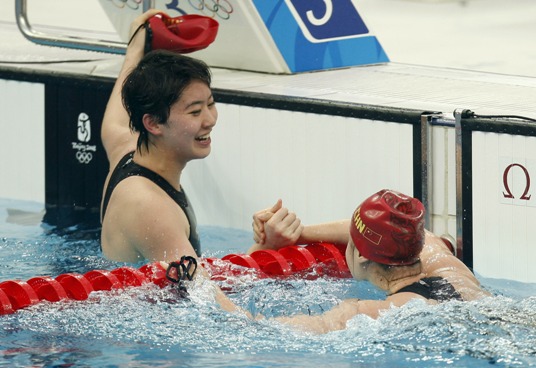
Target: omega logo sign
507, 193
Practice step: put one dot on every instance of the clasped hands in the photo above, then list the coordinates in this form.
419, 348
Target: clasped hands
276, 227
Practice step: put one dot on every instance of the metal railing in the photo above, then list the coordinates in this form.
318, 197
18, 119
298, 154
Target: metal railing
67, 41
428, 120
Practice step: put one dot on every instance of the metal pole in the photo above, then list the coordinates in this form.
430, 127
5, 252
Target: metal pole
64, 40
459, 184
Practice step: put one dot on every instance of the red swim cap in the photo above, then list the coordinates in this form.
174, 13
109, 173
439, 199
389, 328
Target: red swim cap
388, 228
184, 34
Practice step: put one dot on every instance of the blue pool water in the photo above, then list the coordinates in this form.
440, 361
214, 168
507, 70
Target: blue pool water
147, 327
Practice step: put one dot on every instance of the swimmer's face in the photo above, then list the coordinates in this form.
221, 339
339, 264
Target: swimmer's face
356, 263
191, 119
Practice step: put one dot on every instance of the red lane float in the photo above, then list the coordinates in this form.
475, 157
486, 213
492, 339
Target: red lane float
5, 304
332, 257
243, 260
20, 294
103, 280
310, 261
155, 273
47, 288
129, 276
76, 286
272, 263
325, 259
300, 258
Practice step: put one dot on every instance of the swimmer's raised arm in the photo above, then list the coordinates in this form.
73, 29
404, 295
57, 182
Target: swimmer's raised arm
116, 135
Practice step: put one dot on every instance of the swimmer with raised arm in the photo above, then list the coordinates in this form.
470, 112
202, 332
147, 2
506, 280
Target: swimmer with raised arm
389, 247
159, 116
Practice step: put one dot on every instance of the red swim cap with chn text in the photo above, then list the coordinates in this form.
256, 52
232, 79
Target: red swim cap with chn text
388, 228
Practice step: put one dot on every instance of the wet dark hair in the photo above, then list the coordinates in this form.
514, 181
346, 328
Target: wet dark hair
155, 84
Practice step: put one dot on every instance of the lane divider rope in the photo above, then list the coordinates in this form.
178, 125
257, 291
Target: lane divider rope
310, 261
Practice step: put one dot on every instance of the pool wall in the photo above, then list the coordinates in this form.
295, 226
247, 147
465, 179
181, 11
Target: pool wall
320, 162
320, 141
321, 157
22, 145
497, 206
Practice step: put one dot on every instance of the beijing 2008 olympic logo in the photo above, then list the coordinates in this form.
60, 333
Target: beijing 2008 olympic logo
84, 151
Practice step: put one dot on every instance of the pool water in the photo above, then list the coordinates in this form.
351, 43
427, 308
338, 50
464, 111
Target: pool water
147, 327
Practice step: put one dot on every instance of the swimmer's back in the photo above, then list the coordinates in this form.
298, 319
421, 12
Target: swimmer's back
438, 261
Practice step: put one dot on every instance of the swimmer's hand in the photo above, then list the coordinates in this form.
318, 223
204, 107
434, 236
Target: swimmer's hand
276, 227
137, 32
260, 217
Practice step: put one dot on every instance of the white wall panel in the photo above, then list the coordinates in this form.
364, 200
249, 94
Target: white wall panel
22, 142
504, 229
443, 172
321, 166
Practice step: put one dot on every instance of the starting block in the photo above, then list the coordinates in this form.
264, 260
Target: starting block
272, 36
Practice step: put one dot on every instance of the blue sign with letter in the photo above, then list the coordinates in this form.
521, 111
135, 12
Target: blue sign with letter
324, 20
320, 34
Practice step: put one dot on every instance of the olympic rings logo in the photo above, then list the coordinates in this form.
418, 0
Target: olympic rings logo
132, 4
221, 8
84, 157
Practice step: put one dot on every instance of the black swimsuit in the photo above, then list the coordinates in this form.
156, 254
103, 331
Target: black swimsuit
435, 288
127, 168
